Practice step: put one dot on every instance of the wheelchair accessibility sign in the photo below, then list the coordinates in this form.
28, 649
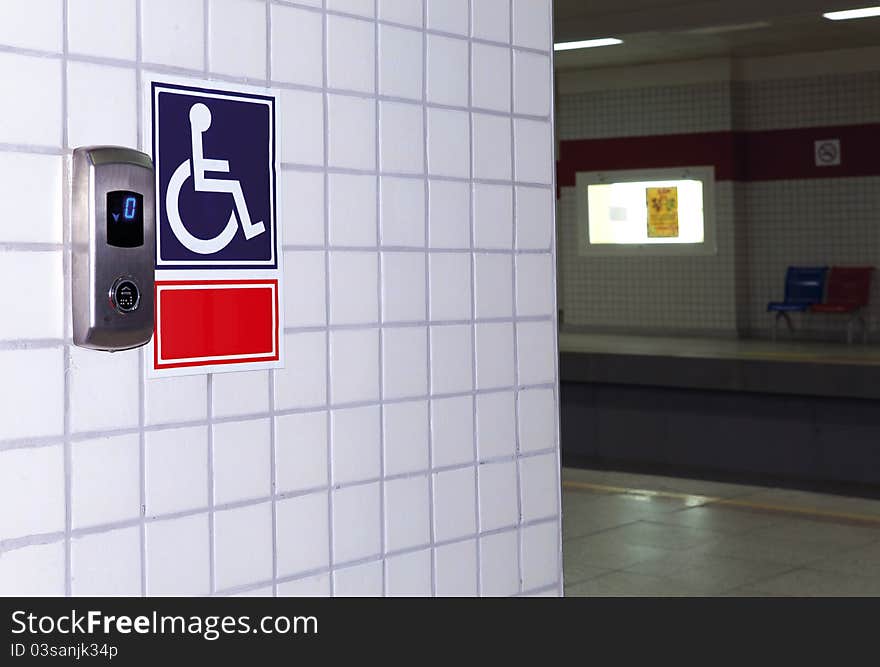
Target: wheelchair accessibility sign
217, 238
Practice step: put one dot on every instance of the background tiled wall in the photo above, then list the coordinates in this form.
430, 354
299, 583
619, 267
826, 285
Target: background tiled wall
410, 445
648, 294
763, 227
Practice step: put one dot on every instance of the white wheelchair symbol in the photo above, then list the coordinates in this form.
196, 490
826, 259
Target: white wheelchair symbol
200, 121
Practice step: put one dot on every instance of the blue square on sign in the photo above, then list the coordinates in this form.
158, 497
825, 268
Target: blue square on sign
214, 153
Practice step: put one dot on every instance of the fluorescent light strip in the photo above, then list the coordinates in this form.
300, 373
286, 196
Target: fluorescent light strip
587, 44
865, 13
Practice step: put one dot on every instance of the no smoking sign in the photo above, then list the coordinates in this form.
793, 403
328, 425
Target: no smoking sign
828, 153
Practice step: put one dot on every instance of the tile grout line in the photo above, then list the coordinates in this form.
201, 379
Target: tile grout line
273, 444
142, 445
325, 99
432, 531
67, 268
473, 298
379, 274
514, 271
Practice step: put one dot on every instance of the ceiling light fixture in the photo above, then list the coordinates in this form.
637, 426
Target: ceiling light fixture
720, 29
587, 44
864, 13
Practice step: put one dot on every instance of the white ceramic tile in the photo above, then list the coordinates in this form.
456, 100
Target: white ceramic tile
448, 16
454, 504
103, 389
297, 44
534, 222
499, 557
102, 28
408, 575
24, 315
352, 132
492, 147
32, 24
351, 48
356, 525
234, 23
104, 480
449, 214
496, 425
317, 586
497, 488
32, 192
400, 62
535, 293
405, 362
540, 487
402, 138
173, 400
359, 581
176, 470
35, 118
36, 407
403, 212
354, 280
450, 290
178, 555
106, 119
241, 393
408, 12
456, 569
355, 444
242, 461
302, 116
452, 431
33, 571
303, 527
32, 491
540, 555
261, 592
490, 19
301, 452
447, 71
354, 366
106, 564
303, 381
531, 23
537, 420
352, 210
494, 356
448, 140
173, 32
403, 287
536, 344
531, 83
359, 7
305, 303
406, 437
493, 216
303, 216
407, 514
490, 78
243, 546
451, 359
534, 151
493, 289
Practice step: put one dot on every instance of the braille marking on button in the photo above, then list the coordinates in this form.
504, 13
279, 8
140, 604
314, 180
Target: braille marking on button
125, 296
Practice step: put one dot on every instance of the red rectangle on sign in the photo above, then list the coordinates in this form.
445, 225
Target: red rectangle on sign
202, 323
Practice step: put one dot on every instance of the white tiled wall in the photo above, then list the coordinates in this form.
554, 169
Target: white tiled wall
410, 445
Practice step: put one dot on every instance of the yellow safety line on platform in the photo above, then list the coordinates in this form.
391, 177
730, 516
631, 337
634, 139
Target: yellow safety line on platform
694, 500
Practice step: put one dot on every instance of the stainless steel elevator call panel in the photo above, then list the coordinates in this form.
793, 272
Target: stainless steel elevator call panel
114, 248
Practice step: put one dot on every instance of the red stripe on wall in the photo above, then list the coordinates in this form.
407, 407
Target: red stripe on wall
223, 320
739, 156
